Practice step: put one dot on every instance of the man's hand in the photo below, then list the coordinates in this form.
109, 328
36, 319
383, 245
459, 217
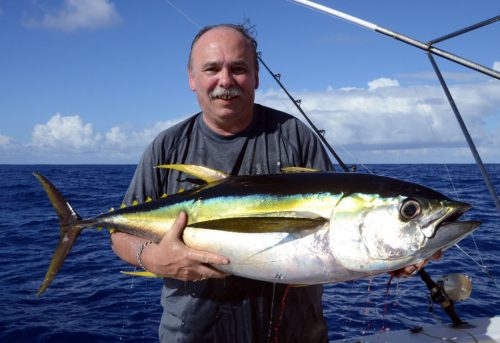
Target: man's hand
172, 258
414, 268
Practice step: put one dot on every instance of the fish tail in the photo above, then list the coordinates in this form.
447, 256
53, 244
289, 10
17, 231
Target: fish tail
70, 230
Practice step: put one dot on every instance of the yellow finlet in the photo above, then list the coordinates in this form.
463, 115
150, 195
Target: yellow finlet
206, 174
143, 274
149, 199
298, 170
123, 205
164, 195
135, 202
111, 209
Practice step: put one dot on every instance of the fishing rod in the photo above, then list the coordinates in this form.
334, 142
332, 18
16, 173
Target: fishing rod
424, 46
319, 133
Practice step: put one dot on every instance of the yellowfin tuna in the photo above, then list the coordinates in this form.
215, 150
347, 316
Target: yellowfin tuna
301, 227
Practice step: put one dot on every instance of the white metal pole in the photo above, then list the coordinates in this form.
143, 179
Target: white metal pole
424, 46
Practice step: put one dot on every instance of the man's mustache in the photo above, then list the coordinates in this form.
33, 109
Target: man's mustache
225, 93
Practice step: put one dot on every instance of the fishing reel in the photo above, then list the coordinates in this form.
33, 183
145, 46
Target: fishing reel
447, 290
457, 287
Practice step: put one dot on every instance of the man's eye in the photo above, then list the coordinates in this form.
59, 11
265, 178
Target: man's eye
211, 69
239, 70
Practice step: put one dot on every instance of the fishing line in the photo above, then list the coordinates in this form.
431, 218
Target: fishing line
127, 307
481, 265
195, 24
270, 330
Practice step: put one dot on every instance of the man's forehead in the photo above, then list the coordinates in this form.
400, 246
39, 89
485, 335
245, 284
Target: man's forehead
219, 35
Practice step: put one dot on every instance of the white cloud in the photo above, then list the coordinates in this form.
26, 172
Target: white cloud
381, 83
496, 65
401, 124
398, 124
65, 133
78, 14
5, 141
124, 138
147, 134
69, 139
115, 136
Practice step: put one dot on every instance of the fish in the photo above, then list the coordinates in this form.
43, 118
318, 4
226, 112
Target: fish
298, 227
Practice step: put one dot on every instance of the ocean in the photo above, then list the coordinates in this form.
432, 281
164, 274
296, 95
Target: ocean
91, 301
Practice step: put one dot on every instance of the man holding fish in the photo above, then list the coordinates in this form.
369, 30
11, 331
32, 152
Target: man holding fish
238, 137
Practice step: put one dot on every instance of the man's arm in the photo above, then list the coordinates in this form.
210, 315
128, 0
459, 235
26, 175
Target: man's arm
170, 257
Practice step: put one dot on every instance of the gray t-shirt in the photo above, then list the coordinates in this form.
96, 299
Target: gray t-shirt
234, 309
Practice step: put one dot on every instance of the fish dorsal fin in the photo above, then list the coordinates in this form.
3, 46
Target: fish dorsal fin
261, 224
298, 170
206, 174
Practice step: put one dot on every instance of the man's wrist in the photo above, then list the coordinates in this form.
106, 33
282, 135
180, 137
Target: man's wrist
139, 252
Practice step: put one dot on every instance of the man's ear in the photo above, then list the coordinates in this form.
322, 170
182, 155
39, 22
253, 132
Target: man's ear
192, 83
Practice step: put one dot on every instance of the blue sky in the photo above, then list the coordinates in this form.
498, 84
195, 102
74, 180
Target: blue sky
92, 81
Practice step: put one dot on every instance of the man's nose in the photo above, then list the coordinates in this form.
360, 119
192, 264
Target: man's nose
226, 78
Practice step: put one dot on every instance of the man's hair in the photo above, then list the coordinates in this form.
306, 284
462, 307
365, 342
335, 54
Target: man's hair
246, 32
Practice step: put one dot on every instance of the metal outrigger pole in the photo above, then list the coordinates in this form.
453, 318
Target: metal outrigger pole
430, 51
465, 131
424, 46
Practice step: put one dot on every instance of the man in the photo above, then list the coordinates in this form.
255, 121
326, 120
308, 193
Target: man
236, 136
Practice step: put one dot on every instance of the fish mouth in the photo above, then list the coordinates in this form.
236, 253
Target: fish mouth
450, 233
450, 230
457, 209
452, 211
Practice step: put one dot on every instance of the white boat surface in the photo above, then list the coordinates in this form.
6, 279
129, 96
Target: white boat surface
484, 330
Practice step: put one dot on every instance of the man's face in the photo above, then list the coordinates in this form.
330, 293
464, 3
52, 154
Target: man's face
224, 77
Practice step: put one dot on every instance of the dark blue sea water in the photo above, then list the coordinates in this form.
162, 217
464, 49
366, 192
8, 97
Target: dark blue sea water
90, 301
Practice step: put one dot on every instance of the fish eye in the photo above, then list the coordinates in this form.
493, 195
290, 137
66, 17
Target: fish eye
410, 209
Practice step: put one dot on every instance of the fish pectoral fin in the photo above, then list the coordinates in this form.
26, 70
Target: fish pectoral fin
206, 174
298, 170
143, 274
261, 224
